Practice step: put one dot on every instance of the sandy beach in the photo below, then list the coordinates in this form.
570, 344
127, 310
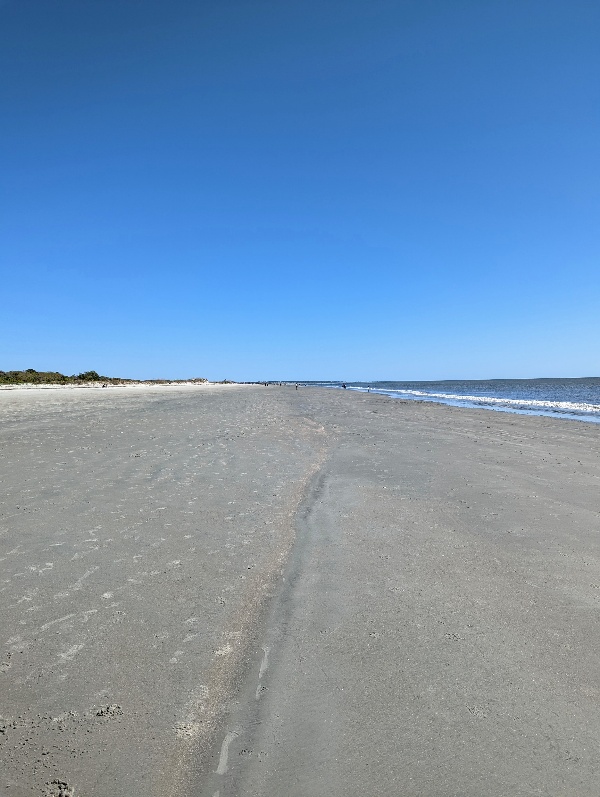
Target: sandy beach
250, 591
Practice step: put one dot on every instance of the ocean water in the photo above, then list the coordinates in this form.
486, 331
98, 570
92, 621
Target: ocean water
574, 399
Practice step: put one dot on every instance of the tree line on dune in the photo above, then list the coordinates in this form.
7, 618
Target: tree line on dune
32, 377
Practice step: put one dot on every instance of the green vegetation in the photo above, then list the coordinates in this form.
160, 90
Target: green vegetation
33, 377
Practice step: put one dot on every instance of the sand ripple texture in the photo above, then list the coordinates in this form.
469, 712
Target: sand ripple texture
255, 591
140, 534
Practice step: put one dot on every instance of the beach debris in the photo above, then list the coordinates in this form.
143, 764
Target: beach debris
110, 711
59, 788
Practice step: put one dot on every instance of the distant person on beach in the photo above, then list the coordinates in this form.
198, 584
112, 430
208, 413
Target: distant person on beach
344, 385
296, 387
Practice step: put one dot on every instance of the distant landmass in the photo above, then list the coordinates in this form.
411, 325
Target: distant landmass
33, 377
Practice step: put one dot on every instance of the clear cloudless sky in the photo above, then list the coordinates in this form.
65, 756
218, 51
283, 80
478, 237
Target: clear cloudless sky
303, 189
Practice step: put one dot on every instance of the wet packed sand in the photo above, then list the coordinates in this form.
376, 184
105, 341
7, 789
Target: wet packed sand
263, 591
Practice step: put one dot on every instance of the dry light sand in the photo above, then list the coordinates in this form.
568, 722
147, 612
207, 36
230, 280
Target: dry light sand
252, 592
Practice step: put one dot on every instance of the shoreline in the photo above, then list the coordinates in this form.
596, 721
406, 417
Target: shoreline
469, 403
447, 402
588, 413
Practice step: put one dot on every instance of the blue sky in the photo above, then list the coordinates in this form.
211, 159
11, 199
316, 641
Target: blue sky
315, 190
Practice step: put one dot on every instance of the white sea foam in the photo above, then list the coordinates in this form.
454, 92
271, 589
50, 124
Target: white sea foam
570, 409
526, 404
